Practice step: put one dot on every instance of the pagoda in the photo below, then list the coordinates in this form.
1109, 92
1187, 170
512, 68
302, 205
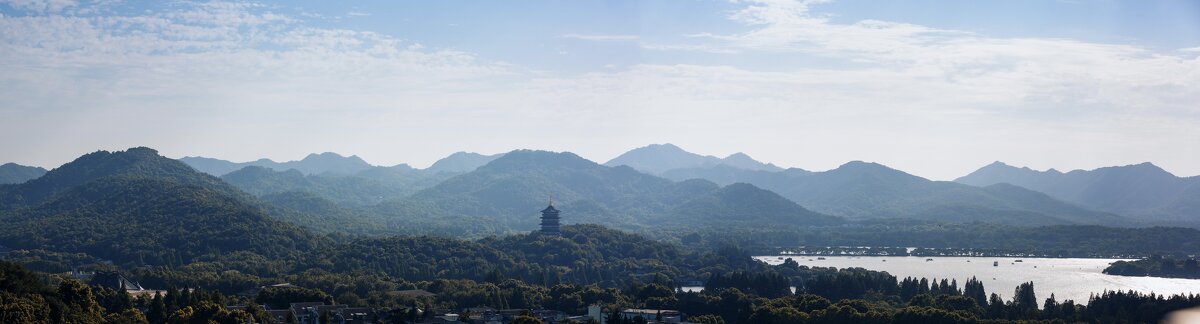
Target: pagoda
550, 220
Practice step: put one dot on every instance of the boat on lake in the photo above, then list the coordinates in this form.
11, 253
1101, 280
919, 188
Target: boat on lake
995, 263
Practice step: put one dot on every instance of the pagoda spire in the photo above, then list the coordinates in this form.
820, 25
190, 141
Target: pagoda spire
550, 218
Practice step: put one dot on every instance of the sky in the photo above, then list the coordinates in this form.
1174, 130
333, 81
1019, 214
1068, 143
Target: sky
937, 88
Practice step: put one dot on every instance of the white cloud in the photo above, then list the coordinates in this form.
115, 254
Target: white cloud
241, 81
601, 38
1105, 77
689, 47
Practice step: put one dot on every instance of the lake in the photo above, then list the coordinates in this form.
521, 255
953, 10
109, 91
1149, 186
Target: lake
1065, 278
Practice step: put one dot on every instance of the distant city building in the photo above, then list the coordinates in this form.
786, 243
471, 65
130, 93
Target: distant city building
550, 220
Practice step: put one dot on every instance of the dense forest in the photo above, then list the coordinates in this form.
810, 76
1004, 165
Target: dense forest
754, 293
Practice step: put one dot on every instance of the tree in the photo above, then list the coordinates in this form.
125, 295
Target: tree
974, 289
157, 314
81, 304
526, 319
325, 318
996, 307
1050, 308
780, 315
1024, 299
128, 316
182, 316
31, 309
706, 319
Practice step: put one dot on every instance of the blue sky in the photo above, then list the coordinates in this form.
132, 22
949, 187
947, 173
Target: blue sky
936, 88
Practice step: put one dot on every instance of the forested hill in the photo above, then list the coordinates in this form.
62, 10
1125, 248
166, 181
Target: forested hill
138, 207
136, 162
503, 191
11, 173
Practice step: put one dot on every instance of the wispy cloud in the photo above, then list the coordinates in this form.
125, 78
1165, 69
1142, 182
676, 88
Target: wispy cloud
210, 74
41, 6
1106, 77
601, 38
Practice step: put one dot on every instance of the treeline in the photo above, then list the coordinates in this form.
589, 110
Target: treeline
979, 238
583, 255
27, 297
1157, 266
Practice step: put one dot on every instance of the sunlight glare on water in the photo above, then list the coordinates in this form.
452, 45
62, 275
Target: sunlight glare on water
1072, 279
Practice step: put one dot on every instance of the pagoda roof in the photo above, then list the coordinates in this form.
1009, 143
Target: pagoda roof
550, 209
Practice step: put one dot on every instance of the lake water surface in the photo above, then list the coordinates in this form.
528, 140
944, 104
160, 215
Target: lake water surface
1065, 278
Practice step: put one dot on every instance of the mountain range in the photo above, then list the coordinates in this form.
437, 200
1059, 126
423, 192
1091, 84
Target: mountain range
1143, 192
473, 194
502, 191
366, 187
347, 181
335, 164
862, 190
312, 164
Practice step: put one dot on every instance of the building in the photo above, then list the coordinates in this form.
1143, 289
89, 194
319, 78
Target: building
653, 315
550, 220
601, 315
115, 280
311, 312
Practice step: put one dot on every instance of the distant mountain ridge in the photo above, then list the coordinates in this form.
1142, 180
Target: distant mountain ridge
503, 190
660, 158
12, 173
333, 163
1142, 191
861, 190
315, 163
460, 162
367, 187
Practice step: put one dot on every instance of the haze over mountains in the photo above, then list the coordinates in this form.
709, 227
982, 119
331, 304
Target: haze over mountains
311, 164
1142, 191
659, 158
335, 164
473, 194
504, 189
860, 190
344, 180
16, 173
